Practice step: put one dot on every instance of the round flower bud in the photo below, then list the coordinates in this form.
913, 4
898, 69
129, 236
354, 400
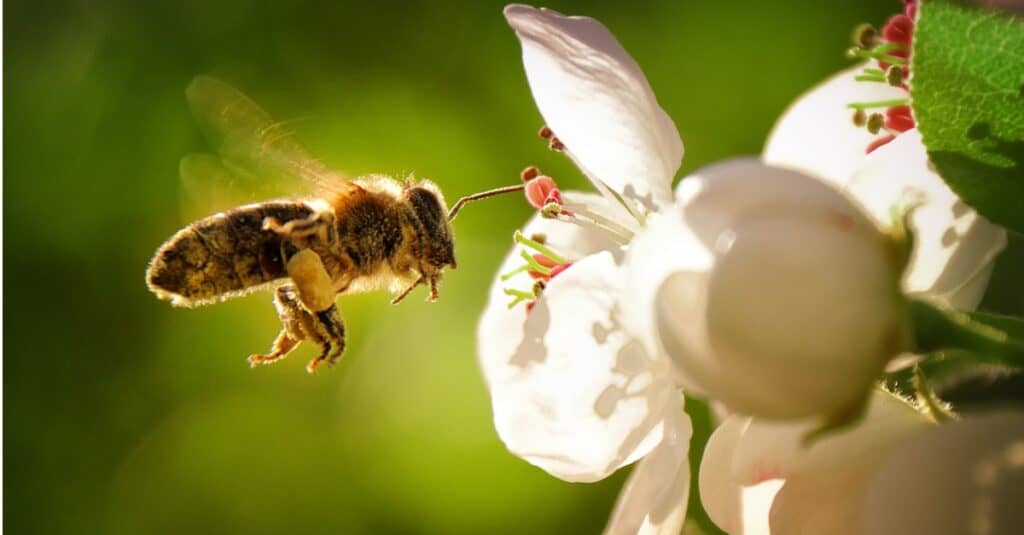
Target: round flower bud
788, 302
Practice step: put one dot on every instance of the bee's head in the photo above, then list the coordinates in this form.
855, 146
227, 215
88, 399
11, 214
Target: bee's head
435, 234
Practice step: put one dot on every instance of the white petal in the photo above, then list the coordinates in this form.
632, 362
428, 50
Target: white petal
500, 331
758, 327
654, 499
735, 508
961, 477
775, 449
720, 490
829, 504
955, 247
747, 460
757, 503
578, 397
665, 246
597, 101
816, 135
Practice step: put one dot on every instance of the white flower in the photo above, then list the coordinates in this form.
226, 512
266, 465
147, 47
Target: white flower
779, 297
955, 247
573, 391
808, 316
824, 489
891, 473
962, 477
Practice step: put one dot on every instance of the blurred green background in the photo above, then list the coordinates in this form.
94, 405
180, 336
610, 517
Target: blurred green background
123, 415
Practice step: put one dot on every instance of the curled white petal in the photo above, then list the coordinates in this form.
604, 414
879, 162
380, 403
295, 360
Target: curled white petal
961, 477
799, 307
665, 246
734, 506
654, 499
955, 247
578, 397
597, 101
720, 491
816, 135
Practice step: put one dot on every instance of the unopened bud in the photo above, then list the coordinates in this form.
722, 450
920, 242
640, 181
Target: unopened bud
795, 307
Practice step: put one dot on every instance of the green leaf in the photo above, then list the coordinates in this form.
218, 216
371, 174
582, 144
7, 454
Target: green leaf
967, 90
938, 328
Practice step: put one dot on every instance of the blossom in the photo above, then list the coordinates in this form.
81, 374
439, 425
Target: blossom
778, 296
857, 481
573, 390
894, 472
954, 249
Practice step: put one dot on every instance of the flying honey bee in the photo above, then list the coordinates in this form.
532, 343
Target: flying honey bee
356, 235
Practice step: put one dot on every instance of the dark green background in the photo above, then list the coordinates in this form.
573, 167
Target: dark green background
123, 415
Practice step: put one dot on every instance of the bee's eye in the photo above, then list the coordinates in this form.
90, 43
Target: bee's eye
427, 207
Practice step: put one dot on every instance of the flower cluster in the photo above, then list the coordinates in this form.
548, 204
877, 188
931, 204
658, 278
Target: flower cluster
779, 287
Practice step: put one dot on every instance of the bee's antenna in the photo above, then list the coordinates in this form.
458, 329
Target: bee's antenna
482, 195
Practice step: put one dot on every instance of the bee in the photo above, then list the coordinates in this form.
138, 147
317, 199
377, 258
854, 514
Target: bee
355, 235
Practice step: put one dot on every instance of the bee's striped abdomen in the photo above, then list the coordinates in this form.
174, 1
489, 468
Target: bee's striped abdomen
223, 255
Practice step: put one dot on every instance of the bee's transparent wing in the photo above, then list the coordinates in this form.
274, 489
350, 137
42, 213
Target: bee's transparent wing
210, 184
253, 148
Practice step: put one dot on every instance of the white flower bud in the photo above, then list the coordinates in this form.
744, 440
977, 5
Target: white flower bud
790, 303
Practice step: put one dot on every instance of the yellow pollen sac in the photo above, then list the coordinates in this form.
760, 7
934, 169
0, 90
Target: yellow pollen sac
310, 277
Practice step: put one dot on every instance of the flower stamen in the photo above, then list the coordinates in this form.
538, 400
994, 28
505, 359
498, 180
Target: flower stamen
879, 103
613, 231
535, 266
519, 238
554, 143
542, 266
529, 174
880, 53
891, 48
518, 296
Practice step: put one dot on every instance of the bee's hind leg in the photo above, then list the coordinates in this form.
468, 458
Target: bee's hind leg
330, 331
290, 310
323, 328
315, 291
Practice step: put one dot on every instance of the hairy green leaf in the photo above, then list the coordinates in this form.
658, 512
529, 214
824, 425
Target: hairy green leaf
967, 89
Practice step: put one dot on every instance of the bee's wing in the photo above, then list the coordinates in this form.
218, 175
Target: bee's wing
252, 146
210, 184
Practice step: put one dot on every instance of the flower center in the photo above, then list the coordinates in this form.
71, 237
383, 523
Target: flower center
540, 262
891, 50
